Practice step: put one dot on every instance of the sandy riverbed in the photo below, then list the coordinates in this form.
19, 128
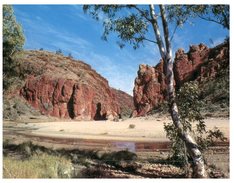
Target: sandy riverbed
134, 129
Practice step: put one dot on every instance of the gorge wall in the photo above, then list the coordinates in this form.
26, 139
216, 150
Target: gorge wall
62, 87
200, 63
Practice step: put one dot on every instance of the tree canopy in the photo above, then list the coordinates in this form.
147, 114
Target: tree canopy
213, 13
128, 24
13, 37
131, 23
13, 41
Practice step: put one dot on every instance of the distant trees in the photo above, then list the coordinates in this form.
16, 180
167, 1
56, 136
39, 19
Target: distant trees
132, 27
13, 41
70, 55
59, 52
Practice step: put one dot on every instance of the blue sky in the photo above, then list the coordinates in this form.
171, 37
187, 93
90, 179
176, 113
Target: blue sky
66, 27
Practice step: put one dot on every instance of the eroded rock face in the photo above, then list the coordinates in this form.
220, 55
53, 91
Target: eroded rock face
67, 89
187, 65
200, 63
149, 90
68, 99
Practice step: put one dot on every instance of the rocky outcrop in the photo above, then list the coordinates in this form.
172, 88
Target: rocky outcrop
149, 90
65, 88
200, 63
187, 65
218, 63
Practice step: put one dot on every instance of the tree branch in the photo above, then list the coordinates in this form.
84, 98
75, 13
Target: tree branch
166, 31
157, 32
141, 12
209, 19
150, 40
226, 20
146, 39
173, 33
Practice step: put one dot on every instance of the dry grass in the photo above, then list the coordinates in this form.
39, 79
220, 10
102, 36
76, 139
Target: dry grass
37, 166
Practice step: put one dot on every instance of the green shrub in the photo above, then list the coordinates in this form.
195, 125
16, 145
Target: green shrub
189, 106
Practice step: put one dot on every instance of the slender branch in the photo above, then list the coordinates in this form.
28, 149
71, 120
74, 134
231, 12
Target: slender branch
173, 33
141, 12
146, 39
150, 40
209, 19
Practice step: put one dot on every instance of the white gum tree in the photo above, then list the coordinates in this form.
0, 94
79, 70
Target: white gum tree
132, 23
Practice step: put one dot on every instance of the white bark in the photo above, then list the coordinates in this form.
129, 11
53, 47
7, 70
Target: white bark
157, 32
192, 147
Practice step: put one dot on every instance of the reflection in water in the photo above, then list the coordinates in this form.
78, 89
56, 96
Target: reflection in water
130, 146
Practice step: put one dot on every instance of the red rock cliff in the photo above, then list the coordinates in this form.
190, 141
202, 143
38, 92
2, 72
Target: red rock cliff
200, 63
65, 88
150, 88
187, 65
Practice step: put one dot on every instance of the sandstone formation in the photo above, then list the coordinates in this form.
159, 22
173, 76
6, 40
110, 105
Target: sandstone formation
199, 63
150, 88
65, 88
187, 65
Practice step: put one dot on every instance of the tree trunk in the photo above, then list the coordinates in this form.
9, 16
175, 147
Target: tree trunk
166, 54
